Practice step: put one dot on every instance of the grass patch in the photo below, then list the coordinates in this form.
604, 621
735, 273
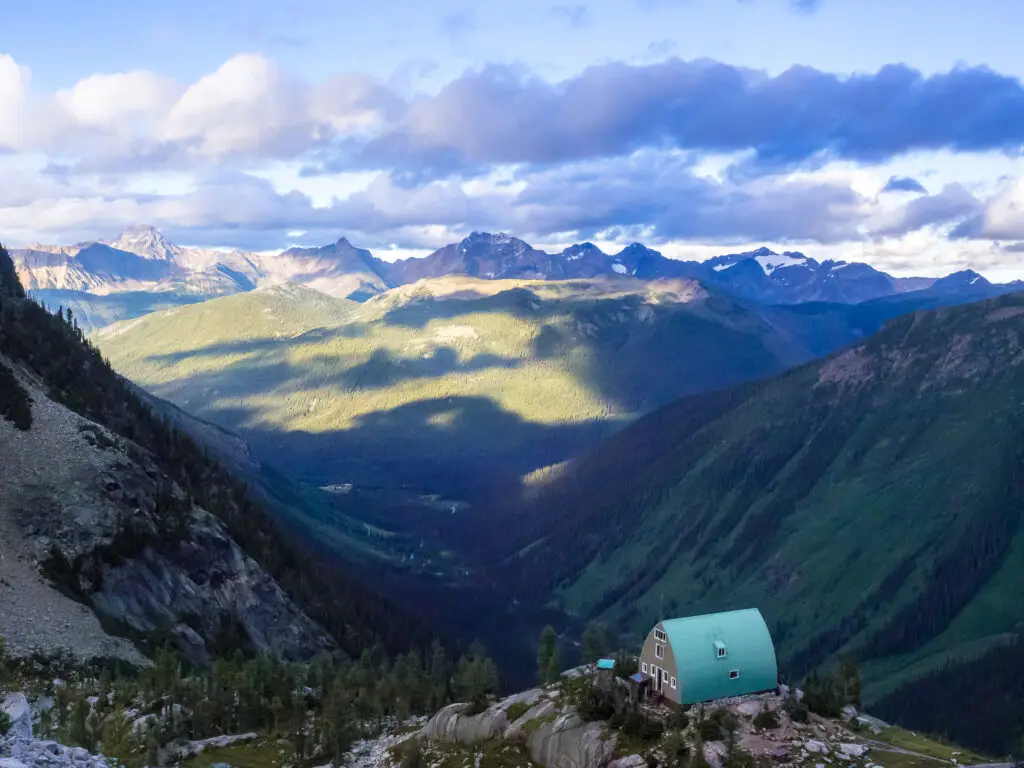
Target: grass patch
537, 722
517, 710
926, 745
265, 753
492, 754
900, 760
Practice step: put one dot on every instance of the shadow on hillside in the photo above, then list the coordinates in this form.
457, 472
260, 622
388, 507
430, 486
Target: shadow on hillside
516, 301
462, 447
250, 377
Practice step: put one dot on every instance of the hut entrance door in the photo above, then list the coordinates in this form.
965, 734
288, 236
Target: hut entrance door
656, 684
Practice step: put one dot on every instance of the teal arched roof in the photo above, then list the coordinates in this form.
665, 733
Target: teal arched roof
722, 654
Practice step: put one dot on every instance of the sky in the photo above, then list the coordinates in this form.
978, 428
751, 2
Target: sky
885, 131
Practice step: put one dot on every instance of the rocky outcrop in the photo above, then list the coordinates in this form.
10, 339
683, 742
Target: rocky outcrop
553, 737
18, 751
96, 514
450, 724
187, 749
569, 742
17, 709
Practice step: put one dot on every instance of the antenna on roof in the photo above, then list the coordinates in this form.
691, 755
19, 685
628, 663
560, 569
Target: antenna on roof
662, 607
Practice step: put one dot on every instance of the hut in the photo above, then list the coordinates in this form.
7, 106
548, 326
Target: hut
714, 656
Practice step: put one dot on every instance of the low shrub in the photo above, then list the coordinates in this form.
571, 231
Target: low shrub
796, 709
410, 754
678, 720
5, 723
766, 719
650, 729
718, 725
517, 710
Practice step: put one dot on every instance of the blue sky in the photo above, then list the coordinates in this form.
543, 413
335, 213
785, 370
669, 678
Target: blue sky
403, 125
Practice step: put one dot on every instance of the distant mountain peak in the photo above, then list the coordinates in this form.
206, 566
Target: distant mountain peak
494, 238
638, 248
965, 277
580, 250
146, 241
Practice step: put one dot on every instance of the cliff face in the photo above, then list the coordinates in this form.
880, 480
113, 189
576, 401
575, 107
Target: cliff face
88, 520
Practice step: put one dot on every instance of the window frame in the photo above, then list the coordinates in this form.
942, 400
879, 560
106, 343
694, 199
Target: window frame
673, 683
660, 635
643, 667
734, 674
659, 651
664, 676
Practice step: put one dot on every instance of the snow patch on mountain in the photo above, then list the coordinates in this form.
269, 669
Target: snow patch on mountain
772, 261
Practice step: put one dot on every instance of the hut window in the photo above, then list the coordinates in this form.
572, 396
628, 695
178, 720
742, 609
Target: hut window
664, 676
720, 649
659, 651
645, 667
734, 674
673, 683
659, 635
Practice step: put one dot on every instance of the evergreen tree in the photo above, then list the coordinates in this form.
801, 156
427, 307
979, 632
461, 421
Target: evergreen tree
848, 676
476, 678
547, 657
10, 285
117, 739
594, 642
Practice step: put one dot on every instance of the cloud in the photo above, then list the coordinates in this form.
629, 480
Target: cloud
249, 110
950, 205
121, 101
498, 115
903, 184
645, 196
1000, 218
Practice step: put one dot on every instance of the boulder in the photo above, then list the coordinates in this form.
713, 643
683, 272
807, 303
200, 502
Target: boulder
748, 708
451, 725
10, 762
853, 750
568, 742
872, 723
629, 761
17, 708
714, 752
816, 747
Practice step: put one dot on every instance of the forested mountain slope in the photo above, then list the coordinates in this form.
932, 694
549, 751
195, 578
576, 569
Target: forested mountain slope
455, 385
869, 504
79, 445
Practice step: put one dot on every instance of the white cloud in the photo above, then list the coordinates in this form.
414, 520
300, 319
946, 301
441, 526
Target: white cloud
1003, 218
14, 93
117, 101
219, 159
248, 105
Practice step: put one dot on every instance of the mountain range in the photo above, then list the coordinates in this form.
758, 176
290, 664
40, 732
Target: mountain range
459, 385
141, 271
